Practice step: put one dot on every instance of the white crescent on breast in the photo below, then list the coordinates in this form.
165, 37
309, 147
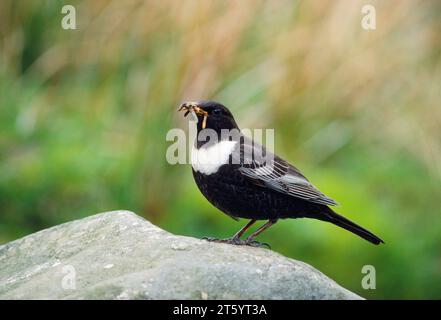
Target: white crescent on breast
207, 160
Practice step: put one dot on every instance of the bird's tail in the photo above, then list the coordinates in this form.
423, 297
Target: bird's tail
333, 217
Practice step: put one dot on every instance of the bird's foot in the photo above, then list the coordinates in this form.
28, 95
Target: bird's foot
238, 242
233, 240
257, 244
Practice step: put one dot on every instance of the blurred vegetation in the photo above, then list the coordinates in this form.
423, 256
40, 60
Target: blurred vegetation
84, 114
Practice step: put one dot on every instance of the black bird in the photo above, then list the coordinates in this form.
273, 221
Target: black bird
233, 173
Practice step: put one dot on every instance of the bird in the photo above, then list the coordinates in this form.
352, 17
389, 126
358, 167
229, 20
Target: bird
242, 185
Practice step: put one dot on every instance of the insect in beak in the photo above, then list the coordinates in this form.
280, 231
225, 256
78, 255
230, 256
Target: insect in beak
193, 107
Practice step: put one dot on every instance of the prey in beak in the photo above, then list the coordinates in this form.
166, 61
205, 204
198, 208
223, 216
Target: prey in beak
194, 108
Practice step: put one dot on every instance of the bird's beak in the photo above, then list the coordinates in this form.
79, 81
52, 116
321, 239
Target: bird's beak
194, 107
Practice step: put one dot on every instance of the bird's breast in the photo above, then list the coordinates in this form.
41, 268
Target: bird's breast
208, 160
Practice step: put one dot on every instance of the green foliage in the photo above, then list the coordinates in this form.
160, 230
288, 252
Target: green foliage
84, 114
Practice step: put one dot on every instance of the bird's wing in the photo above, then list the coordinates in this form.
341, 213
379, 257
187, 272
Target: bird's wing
265, 168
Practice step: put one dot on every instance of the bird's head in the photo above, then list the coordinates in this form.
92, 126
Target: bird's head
210, 114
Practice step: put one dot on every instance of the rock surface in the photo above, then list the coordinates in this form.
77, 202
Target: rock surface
119, 255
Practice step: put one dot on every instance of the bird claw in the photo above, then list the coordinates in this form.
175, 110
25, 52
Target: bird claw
257, 244
239, 242
233, 240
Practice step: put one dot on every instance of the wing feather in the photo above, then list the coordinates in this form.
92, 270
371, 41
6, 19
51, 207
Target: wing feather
263, 167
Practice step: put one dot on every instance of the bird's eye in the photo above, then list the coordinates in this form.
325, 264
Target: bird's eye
217, 112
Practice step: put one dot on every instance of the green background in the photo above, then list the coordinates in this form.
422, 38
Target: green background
84, 114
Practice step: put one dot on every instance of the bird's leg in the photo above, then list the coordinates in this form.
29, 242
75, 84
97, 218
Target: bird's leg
234, 239
250, 240
245, 228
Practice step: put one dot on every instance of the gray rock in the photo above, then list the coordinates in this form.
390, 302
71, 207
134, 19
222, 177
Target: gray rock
119, 255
